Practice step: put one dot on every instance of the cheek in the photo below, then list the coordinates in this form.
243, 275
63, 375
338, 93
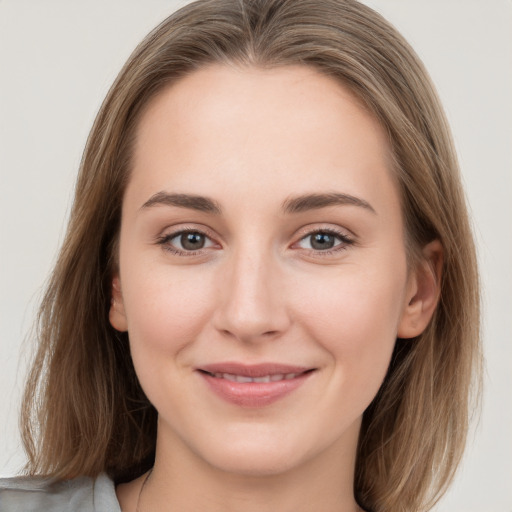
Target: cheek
355, 316
166, 311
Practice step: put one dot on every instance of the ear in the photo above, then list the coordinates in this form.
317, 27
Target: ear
423, 292
117, 315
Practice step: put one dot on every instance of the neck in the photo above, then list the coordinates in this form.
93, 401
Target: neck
182, 481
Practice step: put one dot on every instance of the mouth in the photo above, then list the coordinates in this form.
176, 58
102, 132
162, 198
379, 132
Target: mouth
253, 385
243, 379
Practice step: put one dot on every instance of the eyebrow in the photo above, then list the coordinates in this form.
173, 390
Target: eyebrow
316, 201
297, 204
193, 202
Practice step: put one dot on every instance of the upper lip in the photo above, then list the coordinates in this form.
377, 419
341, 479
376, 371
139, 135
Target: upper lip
253, 370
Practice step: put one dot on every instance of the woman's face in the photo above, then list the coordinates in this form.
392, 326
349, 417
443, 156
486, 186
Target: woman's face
262, 278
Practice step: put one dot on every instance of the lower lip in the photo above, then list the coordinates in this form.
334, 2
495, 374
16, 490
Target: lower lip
253, 394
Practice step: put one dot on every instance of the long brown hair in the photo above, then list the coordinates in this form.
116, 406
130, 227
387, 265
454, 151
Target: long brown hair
84, 411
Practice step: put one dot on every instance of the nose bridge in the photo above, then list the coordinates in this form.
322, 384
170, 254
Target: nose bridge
252, 305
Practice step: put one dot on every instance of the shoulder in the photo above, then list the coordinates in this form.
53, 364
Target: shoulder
84, 494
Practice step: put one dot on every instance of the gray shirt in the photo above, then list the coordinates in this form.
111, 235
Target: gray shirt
31, 494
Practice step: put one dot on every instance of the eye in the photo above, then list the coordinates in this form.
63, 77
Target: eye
186, 242
324, 240
191, 241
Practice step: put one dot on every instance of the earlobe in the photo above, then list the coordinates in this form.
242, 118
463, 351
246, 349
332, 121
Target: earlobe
117, 314
423, 292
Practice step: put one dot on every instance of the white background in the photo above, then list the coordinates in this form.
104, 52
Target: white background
57, 60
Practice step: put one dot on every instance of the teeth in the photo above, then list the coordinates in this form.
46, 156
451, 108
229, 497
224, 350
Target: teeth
243, 379
262, 379
266, 378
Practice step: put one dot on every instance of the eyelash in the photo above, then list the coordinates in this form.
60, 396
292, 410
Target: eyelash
165, 239
345, 241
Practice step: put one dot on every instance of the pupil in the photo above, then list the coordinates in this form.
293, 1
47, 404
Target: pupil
322, 241
192, 241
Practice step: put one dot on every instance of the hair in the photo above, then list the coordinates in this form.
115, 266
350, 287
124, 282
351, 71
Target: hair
84, 411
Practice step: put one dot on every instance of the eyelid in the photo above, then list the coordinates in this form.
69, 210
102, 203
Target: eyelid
324, 228
345, 236
171, 232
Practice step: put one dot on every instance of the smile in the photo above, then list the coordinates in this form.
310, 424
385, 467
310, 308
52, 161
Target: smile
244, 379
253, 386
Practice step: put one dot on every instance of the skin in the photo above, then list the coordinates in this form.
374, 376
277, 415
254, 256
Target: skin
259, 291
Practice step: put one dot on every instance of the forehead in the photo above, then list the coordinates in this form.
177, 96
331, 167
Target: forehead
288, 129
267, 98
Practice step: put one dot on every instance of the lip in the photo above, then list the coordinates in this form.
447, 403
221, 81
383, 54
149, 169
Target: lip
253, 394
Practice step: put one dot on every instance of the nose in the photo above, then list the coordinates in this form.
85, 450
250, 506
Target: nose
252, 305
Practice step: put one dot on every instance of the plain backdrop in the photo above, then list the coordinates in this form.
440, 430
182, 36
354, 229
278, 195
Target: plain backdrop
57, 61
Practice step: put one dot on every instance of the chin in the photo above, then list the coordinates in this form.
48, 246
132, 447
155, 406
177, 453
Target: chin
254, 461
257, 452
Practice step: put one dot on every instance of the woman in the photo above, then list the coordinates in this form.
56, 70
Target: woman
268, 289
